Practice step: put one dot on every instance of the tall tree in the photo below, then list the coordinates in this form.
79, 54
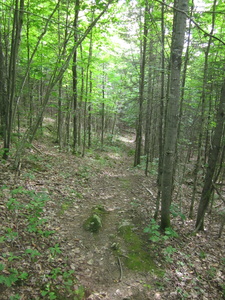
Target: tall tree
3, 89
212, 162
171, 121
161, 119
11, 82
203, 112
55, 77
74, 69
137, 158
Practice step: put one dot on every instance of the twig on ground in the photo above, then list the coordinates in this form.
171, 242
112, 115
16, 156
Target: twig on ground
121, 270
36, 149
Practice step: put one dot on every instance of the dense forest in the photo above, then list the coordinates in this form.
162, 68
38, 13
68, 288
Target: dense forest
80, 75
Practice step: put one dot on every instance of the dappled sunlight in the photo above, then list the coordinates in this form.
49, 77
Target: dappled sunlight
126, 139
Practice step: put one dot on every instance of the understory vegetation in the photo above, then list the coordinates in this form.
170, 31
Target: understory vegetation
44, 242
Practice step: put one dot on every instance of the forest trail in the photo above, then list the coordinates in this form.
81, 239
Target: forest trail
106, 178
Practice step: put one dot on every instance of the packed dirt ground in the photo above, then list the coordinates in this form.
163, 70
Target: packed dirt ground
73, 263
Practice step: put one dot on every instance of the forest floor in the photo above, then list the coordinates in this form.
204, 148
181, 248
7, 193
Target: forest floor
45, 252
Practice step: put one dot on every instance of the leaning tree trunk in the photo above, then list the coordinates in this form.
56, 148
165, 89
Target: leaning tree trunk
55, 78
171, 121
212, 163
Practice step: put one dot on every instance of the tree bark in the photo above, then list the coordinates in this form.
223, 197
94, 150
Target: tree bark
161, 118
2, 89
74, 69
212, 163
137, 158
55, 78
179, 26
15, 42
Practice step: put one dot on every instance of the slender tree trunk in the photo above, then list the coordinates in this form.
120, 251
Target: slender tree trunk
75, 79
62, 52
212, 162
15, 42
87, 93
161, 118
103, 109
3, 92
55, 78
89, 110
137, 157
183, 158
199, 161
179, 27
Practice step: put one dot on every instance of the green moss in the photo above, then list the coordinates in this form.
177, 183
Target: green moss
126, 183
99, 210
137, 258
93, 223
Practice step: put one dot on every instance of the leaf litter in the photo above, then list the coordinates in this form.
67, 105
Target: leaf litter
52, 257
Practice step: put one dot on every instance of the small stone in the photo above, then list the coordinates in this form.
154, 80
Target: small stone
90, 262
76, 250
72, 266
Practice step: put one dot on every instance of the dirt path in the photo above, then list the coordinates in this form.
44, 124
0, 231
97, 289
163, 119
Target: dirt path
112, 183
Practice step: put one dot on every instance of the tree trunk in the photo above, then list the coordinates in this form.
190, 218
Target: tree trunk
2, 89
89, 111
74, 69
179, 26
212, 163
199, 161
15, 42
137, 157
161, 118
54, 79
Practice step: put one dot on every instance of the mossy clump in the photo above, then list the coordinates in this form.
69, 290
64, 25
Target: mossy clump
93, 223
137, 258
99, 210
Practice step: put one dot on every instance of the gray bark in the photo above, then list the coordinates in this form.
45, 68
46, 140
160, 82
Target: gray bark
171, 122
212, 163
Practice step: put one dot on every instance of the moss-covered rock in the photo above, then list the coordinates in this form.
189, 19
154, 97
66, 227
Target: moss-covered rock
93, 223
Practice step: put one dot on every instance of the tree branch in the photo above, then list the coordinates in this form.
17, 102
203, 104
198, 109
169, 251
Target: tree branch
193, 21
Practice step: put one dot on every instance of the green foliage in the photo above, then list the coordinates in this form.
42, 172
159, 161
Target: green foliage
51, 290
153, 230
202, 254
168, 252
33, 253
29, 206
12, 276
55, 250
14, 297
175, 211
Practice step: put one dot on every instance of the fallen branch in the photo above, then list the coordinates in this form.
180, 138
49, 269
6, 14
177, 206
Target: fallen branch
121, 270
36, 149
218, 192
150, 192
